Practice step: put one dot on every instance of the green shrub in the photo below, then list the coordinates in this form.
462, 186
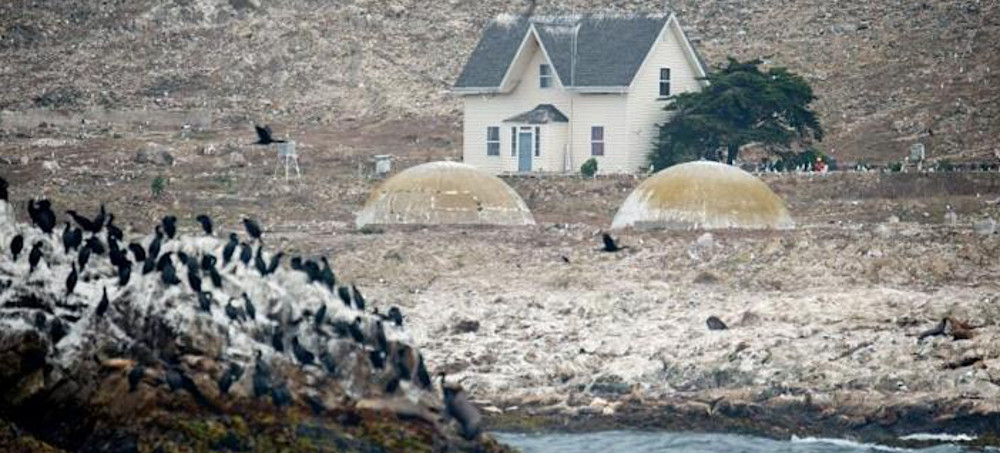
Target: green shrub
589, 168
158, 186
895, 167
945, 165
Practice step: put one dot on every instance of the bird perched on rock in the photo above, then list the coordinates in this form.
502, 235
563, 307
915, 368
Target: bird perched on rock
303, 355
169, 226
345, 295
16, 246
206, 223
359, 301
3, 189
246, 254
458, 407
84, 223
71, 280
396, 316
205, 301
232, 374
714, 323
71, 238
35, 256
113, 230
41, 215
135, 377
252, 228
248, 306
230, 248
102, 306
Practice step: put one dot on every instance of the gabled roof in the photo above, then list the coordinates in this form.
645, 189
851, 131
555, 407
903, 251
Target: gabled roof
542, 114
609, 49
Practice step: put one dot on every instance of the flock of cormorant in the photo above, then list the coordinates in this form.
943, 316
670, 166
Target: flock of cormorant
198, 269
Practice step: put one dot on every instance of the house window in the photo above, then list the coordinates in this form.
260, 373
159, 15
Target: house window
538, 141
513, 142
664, 82
544, 76
597, 141
493, 141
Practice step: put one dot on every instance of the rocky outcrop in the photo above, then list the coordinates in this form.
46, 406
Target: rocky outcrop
197, 352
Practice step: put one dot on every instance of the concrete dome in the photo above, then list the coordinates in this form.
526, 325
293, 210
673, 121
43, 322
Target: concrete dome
705, 195
444, 193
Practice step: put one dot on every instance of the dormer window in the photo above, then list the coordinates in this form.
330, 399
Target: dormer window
544, 76
664, 82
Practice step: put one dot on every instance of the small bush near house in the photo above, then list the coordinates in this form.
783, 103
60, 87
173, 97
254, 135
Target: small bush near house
589, 168
895, 167
158, 186
945, 165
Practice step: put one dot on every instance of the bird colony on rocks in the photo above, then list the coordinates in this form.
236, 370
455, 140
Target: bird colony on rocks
198, 317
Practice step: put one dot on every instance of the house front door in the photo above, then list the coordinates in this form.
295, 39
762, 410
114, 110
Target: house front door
524, 144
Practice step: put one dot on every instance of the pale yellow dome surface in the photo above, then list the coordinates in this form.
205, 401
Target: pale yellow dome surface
444, 193
703, 195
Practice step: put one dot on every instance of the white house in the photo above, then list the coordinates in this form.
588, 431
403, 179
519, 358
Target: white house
544, 94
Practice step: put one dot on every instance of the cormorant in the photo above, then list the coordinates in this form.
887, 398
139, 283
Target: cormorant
423, 377
174, 379
124, 272
148, 265
234, 314
258, 261
155, 244
215, 277
168, 274
328, 362
3, 189
35, 256
252, 228
99, 220
609, 243
16, 245
95, 245
205, 301
275, 262
295, 263
301, 353
71, 238
169, 226
206, 223
250, 309
233, 374
85, 223
345, 295
281, 396
396, 316
320, 316
264, 135
457, 406
135, 376
261, 377
380, 341
208, 261
194, 279
392, 386
246, 254
102, 306
278, 340
113, 230
41, 215
71, 280
83, 256
354, 329
359, 301
326, 274
227, 251
377, 358
57, 330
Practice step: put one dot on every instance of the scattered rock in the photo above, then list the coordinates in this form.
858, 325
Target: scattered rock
51, 165
707, 278
236, 159
465, 326
985, 227
155, 154
714, 323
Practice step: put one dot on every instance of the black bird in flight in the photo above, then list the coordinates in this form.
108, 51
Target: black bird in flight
609, 243
264, 135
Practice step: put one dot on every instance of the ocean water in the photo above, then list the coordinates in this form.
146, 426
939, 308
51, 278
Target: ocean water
650, 442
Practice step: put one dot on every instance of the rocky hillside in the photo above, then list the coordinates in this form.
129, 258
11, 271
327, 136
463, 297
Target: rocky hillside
889, 73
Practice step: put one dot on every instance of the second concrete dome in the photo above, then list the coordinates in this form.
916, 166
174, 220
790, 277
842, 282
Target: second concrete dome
703, 195
444, 193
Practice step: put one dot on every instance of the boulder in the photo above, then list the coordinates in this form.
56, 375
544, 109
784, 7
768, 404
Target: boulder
155, 154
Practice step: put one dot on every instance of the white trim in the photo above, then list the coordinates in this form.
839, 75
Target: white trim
599, 89
688, 48
546, 53
685, 46
510, 65
475, 90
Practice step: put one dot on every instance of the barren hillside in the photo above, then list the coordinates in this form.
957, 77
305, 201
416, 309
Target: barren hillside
889, 73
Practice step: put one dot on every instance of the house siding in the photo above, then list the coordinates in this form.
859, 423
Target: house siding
645, 109
609, 111
482, 111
